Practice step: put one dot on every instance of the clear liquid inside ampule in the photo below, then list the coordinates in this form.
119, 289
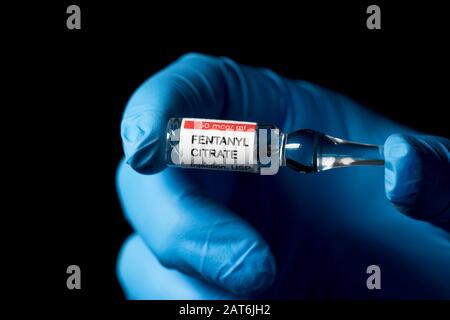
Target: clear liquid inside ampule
259, 148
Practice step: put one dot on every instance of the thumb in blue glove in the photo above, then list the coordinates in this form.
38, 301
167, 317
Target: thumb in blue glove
417, 177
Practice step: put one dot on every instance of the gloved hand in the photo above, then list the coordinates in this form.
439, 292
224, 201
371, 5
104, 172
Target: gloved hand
206, 234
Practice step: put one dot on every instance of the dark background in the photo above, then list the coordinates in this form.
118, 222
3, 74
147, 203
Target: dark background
80, 81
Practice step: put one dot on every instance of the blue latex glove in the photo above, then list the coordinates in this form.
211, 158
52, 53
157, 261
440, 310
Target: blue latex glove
207, 235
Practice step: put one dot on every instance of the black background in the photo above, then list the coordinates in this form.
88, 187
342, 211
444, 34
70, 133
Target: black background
80, 80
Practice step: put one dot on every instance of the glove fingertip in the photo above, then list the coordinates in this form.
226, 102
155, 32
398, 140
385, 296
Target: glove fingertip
417, 176
142, 143
403, 170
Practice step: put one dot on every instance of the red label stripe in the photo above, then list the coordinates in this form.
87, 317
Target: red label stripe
223, 126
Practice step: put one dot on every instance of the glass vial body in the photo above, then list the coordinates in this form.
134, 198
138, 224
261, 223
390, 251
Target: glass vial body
260, 148
223, 145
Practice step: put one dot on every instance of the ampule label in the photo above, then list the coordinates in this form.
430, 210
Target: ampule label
218, 144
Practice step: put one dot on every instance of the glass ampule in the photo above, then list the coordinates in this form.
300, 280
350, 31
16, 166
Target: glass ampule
260, 148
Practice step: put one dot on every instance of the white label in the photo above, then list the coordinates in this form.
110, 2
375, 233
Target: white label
218, 144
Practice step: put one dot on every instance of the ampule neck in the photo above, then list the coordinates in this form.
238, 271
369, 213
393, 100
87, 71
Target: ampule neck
309, 151
298, 150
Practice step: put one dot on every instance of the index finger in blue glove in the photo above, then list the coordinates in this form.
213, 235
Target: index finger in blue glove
143, 277
190, 232
195, 85
417, 176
